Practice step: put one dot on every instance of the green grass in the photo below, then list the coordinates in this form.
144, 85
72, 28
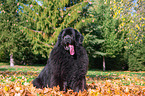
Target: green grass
31, 72
6, 67
125, 77
2, 63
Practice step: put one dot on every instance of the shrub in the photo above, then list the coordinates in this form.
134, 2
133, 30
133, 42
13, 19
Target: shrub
136, 60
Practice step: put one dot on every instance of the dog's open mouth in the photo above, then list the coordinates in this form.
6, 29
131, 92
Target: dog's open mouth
70, 48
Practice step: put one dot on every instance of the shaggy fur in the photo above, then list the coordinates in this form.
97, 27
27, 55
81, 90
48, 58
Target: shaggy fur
65, 67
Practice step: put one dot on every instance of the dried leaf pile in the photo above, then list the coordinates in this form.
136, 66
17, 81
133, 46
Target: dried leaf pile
19, 84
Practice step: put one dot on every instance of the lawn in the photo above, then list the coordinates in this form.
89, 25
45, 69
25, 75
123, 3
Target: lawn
17, 81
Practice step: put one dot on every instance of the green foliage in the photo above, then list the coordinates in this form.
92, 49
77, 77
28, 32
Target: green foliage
43, 23
12, 40
9, 25
4, 55
107, 28
91, 43
121, 33
101, 36
114, 29
114, 40
136, 59
132, 24
25, 54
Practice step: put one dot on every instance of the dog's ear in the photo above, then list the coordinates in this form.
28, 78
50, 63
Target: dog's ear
59, 38
79, 37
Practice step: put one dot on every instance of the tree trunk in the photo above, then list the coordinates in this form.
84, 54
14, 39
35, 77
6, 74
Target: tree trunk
11, 60
103, 63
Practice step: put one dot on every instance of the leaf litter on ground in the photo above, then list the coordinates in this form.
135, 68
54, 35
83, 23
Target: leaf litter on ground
18, 83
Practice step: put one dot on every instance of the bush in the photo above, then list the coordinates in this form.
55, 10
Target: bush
136, 60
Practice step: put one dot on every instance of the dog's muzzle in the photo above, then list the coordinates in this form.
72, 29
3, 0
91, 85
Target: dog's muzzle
68, 44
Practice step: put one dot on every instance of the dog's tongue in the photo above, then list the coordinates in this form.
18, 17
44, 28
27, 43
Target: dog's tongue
72, 52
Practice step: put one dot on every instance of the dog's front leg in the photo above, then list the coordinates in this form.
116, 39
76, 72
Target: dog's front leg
54, 81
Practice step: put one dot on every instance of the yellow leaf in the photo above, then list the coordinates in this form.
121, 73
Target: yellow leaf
137, 26
136, 38
119, 11
115, 14
141, 40
109, 91
123, 19
115, 6
6, 88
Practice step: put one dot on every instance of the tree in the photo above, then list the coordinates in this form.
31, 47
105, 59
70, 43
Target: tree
92, 43
131, 16
9, 27
43, 21
106, 29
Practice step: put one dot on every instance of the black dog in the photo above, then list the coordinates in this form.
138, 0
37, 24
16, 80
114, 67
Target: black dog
67, 65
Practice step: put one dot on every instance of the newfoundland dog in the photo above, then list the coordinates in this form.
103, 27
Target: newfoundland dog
67, 65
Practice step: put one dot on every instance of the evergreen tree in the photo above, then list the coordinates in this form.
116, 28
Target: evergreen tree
114, 40
43, 20
106, 29
9, 31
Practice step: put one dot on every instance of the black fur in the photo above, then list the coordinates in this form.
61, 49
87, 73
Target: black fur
67, 71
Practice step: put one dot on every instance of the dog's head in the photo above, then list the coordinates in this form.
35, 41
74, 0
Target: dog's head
69, 38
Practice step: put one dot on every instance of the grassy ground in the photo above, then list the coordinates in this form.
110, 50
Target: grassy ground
109, 80
92, 75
